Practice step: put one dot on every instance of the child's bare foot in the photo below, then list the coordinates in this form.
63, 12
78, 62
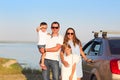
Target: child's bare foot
43, 67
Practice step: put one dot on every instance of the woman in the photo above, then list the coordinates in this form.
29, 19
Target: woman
70, 38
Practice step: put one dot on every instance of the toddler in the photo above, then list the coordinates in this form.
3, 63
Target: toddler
42, 39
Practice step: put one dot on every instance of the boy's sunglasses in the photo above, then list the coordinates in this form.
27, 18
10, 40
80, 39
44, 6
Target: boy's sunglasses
54, 27
70, 33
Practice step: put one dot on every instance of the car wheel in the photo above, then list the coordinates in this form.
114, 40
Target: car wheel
93, 77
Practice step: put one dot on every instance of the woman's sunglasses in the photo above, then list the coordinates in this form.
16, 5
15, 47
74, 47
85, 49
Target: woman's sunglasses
70, 33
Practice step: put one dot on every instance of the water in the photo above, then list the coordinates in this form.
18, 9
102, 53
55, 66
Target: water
24, 53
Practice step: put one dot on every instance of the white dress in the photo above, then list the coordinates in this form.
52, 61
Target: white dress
76, 50
66, 71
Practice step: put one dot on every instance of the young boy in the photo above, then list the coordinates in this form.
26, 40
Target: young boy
69, 73
42, 39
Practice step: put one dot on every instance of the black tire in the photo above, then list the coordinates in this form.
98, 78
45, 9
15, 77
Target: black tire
94, 77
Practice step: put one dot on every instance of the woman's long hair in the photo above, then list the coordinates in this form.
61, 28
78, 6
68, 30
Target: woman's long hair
75, 39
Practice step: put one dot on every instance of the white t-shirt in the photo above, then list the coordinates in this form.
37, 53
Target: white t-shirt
42, 37
66, 71
53, 41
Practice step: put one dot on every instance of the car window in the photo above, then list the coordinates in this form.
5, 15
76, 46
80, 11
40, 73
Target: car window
92, 48
87, 49
95, 49
114, 46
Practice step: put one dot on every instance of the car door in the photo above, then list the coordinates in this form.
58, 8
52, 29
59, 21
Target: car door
92, 50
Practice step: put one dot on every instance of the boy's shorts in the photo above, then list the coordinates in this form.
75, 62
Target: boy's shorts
41, 46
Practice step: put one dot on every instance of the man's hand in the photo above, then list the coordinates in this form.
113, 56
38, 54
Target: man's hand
42, 50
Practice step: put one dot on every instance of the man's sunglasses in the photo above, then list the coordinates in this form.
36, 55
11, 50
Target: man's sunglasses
54, 27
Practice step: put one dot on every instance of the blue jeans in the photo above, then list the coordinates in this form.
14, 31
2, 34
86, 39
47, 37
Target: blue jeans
54, 66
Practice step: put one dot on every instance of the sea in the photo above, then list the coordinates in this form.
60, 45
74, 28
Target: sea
26, 54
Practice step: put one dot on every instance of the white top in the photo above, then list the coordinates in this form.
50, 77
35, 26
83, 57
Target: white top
42, 37
66, 71
53, 41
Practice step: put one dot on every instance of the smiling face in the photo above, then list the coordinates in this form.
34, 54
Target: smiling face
66, 49
43, 28
70, 34
55, 26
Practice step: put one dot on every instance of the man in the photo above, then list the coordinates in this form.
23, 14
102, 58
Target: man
52, 53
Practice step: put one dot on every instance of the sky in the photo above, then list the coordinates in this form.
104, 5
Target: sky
19, 18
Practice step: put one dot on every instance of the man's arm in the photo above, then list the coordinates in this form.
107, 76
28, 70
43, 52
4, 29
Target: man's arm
53, 49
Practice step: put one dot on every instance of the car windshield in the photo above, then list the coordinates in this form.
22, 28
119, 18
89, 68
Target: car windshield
114, 46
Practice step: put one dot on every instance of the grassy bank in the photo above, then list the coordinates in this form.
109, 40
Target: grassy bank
9, 66
11, 70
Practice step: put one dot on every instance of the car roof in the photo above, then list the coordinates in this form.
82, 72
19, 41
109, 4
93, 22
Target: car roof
113, 38
108, 38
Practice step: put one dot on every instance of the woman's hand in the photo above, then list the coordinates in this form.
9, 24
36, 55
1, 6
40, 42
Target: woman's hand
90, 61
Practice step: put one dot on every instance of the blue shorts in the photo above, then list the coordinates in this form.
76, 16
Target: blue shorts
41, 46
